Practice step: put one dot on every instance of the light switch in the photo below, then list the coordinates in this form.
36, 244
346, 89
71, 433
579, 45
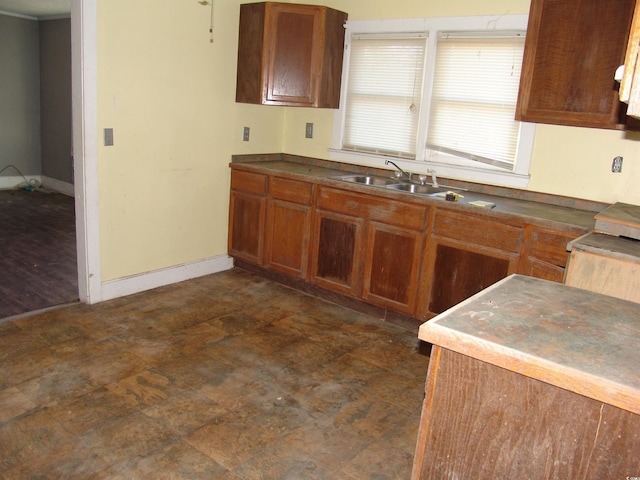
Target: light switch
108, 137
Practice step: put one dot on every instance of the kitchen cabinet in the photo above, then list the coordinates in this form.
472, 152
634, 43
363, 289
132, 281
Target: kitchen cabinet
465, 255
545, 253
288, 228
572, 50
337, 252
531, 379
415, 257
247, 210
369, 247
290, 54
630, 82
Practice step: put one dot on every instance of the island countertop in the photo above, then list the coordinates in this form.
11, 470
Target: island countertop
571, 338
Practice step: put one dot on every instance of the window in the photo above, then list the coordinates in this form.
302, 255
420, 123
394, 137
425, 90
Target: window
438, 94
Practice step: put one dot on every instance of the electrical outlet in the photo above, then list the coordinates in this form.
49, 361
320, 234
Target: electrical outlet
616, 165
309, 131
108, 137
245, 134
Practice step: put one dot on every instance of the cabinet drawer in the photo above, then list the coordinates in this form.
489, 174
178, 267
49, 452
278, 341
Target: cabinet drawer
249, 182
384, 210
550, 247
291, 190
479, 231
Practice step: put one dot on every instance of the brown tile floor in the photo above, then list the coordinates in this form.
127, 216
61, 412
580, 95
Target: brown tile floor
229, 376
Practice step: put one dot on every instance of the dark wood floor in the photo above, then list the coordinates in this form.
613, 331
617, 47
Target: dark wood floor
38, 260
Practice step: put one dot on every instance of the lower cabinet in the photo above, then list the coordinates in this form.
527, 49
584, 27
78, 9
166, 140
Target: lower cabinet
288, 231
466, 255
369, 248
337, 252
391, 267
247, 208
545, 253
412, 258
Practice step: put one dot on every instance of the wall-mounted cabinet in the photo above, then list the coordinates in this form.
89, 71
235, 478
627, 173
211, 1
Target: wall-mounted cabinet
572, 51
290, 54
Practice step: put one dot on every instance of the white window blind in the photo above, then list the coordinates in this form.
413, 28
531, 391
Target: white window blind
384, 90
474, 95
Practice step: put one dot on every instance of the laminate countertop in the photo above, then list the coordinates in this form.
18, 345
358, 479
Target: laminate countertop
571, 338
555, 212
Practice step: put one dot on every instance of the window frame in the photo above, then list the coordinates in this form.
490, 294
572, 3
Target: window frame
443, 164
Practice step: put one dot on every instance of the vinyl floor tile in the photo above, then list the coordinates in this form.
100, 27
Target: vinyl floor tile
229, 376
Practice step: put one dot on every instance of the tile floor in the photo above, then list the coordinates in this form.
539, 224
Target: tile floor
229, 376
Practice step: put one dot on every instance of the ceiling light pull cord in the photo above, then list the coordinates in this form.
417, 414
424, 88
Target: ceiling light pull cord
211, 26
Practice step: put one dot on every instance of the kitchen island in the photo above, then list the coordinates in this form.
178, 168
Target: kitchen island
532, 379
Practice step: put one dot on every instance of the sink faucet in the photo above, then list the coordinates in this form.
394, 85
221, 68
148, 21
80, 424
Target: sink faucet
402, 172
434, 180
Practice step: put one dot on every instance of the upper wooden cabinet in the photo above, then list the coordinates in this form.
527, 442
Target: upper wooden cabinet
290, 54
572, 50
630, 84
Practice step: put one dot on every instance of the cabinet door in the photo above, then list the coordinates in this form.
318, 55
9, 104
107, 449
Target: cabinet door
289, 227
246, 227
392, 266
337, 252
460, 272
247, 209
572, 50
293, 53
545, 253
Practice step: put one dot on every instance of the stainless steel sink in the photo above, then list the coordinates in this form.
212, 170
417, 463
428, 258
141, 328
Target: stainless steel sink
414, 188
368, 180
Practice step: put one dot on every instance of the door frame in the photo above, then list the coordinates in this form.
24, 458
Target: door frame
84, 94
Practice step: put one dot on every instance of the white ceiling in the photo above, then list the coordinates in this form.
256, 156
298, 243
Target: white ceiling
37, 8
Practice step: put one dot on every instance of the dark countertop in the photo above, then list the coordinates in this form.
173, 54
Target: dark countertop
552, 212
574, 339
611, 245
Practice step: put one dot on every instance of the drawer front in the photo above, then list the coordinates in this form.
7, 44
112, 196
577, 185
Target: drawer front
479, 231
291, 190
383, 210
550, 247
249, 182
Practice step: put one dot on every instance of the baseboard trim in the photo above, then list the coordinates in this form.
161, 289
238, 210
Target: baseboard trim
58, 185
158, 278
12, 183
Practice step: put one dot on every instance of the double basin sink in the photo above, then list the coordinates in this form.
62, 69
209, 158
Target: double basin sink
390, 184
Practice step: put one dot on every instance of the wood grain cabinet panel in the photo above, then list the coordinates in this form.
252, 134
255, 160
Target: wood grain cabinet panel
290, 54
246, 227
466, 254
289, 226
392, 266
572, 50
484, 422
337, 253
545, 253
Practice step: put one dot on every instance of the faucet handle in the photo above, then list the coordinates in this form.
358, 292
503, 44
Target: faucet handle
423, 179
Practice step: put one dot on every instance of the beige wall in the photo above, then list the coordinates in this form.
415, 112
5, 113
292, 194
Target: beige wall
575, 162
168, 93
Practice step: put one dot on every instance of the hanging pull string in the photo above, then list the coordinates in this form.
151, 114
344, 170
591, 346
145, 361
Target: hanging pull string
205, 3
